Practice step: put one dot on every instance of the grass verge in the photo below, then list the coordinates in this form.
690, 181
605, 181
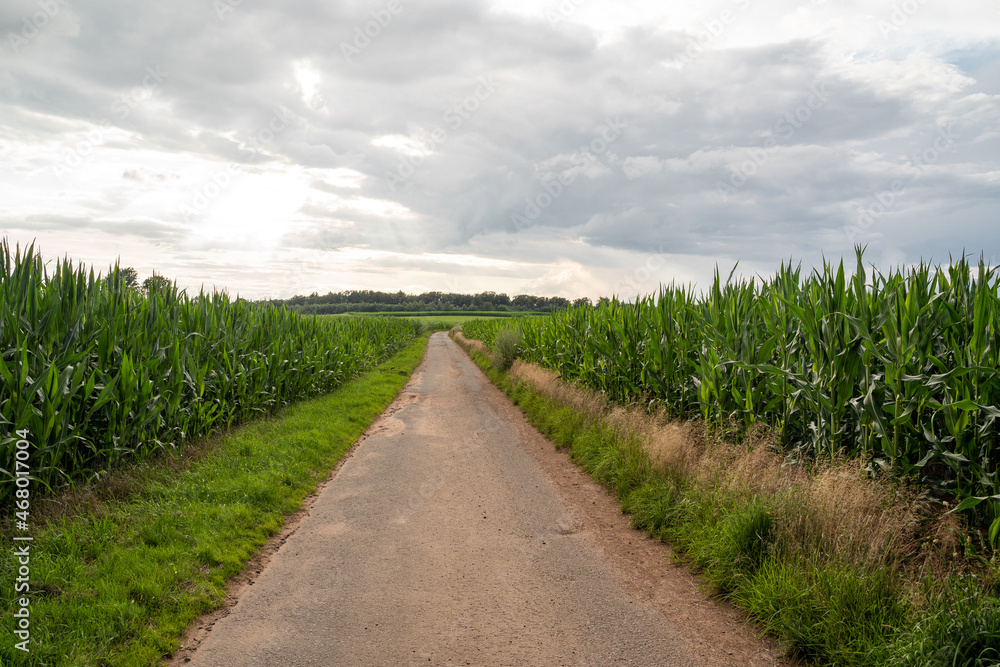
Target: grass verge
117, 572
773, 549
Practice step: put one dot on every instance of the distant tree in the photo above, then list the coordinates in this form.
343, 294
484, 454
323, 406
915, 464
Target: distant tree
582, 301
462, 300
130, 276
527, 302
491, 298
155, 283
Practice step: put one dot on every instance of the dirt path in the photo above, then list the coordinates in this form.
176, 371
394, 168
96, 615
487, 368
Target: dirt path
456, 535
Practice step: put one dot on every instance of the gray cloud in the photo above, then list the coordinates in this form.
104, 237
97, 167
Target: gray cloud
759, 151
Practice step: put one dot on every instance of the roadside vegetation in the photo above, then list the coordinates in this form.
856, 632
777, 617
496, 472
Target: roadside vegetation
506, 347
901, 370
96, 371
802, 441
122, 565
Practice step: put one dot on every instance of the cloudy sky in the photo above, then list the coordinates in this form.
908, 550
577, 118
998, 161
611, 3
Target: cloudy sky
581, 148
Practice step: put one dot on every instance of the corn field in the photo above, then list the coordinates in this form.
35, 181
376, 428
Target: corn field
98, 372
901, 369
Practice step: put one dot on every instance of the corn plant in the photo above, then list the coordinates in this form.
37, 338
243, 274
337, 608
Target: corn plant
902, 368
98, 372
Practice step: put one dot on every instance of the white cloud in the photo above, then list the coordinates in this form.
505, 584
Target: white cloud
634, 167
402, 144
262, 146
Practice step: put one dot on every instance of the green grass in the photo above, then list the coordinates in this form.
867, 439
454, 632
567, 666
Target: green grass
465, 315
959, 627
829, 613
506, 346
824, 610
117, 582
452, 320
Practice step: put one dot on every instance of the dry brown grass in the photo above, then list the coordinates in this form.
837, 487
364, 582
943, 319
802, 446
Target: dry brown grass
831, 509
844, 514
549, 384
470, 342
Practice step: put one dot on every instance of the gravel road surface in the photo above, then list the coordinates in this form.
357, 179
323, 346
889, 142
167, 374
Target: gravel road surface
454, 534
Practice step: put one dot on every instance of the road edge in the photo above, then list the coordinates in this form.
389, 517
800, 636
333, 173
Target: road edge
198, 630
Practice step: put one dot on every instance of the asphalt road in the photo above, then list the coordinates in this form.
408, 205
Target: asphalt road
444, 540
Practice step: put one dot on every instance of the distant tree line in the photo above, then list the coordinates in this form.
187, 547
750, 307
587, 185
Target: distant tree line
370, 301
